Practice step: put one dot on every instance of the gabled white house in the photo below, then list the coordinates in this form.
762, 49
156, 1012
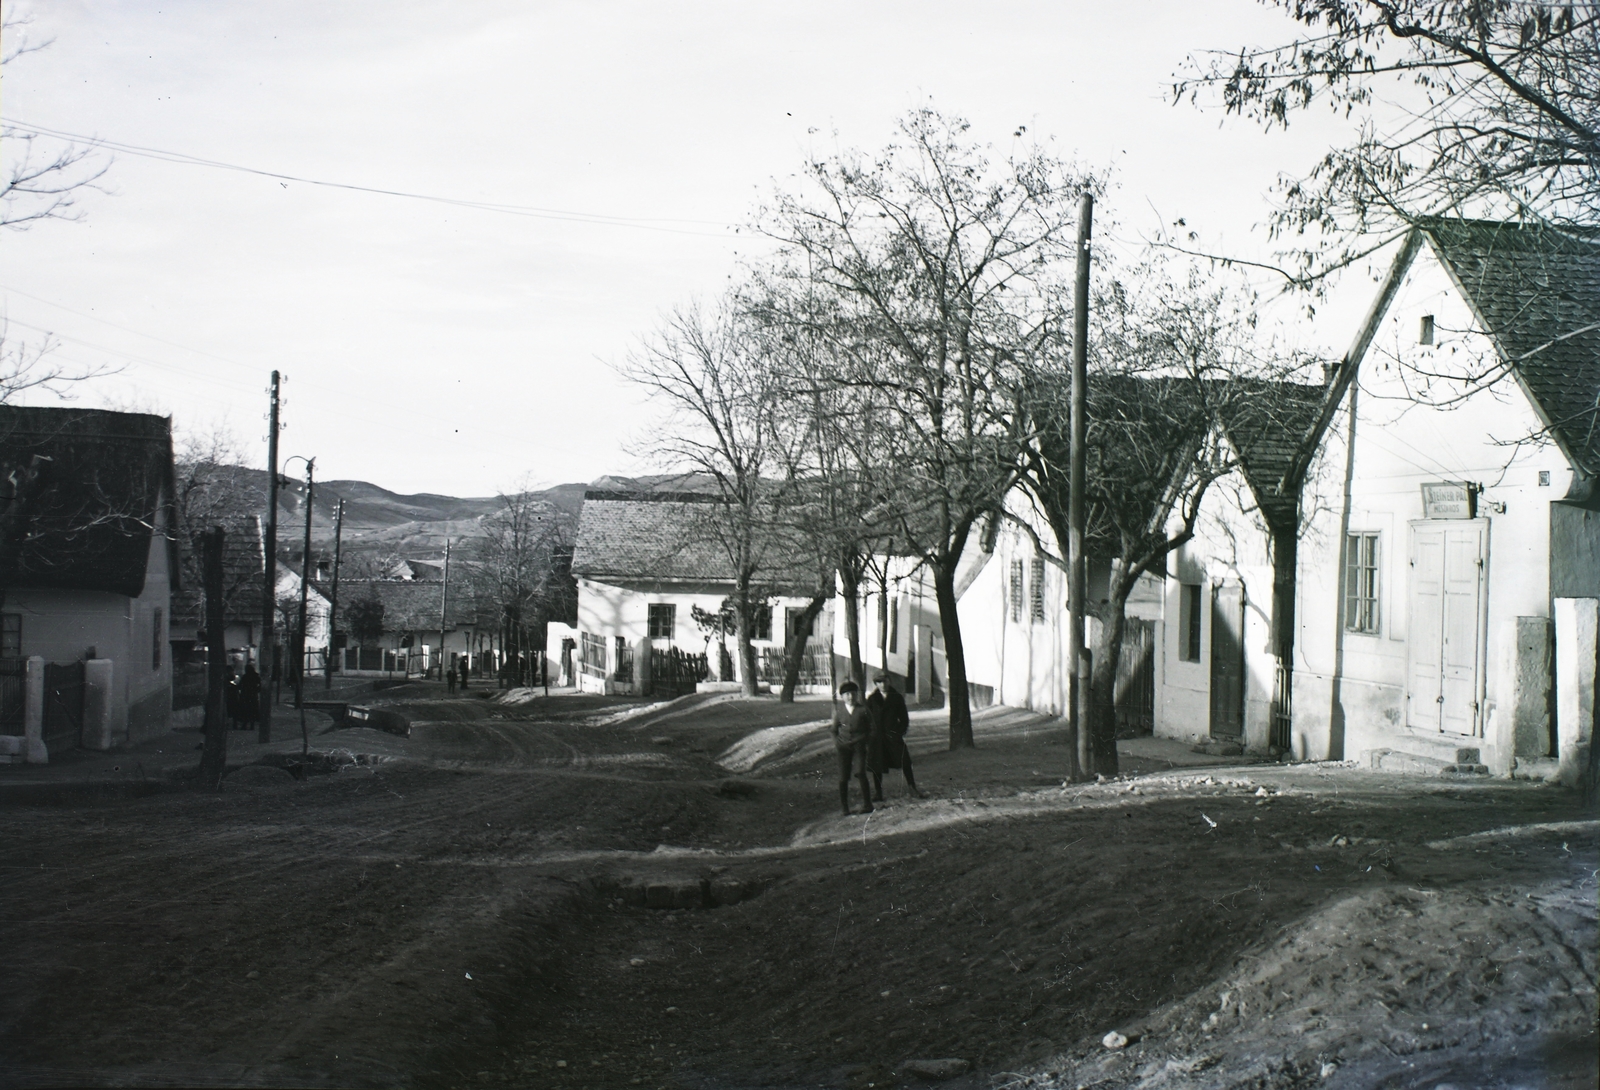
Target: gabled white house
649, 581
1458, 562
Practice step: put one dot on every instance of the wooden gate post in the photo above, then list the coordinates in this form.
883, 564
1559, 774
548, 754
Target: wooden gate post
34, 751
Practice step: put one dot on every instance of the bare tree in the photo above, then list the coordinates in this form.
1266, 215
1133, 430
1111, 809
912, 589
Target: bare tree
1501, 118
517, 568
42, 181
1174, 358
723, 425
45, 176
935, 263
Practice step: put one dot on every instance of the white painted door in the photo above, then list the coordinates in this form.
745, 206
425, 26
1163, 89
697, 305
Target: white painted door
1444, 637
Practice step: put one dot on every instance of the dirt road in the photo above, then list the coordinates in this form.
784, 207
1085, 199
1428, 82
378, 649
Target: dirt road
489, 902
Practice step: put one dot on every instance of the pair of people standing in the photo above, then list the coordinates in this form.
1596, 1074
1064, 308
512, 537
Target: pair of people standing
870, 736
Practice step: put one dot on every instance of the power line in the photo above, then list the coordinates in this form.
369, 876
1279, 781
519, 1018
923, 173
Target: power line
643, 223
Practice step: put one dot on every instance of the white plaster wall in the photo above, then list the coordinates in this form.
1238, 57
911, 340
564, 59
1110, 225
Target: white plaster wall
1401, 444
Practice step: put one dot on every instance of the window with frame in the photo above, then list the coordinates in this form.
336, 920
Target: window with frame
795, 624
1191, 597
761, 623
10, 635
1361, 583
1036, 589
156, 639
1016, 592
663, 621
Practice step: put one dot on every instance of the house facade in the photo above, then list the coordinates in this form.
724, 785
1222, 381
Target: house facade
413, 614
653, 582
87, 565
1455, 566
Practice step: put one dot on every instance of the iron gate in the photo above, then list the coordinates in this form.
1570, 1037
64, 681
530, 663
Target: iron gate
63, 705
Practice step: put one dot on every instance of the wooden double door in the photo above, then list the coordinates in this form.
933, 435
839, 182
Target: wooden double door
1444, 636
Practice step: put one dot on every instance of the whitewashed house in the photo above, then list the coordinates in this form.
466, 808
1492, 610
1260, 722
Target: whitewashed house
650, 581
1457, 565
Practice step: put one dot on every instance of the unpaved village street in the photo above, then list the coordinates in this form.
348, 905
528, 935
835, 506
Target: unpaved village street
573, 892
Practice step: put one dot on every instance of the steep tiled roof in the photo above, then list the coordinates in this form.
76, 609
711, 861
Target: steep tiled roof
1537, 291
242, 572
1265, 428
667, 536
81, 492
410, 604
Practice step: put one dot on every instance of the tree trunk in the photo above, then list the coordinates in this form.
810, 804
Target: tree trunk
852, 627
955, 657
1103, 685
214, 758
883, 628
795, 653
747, 650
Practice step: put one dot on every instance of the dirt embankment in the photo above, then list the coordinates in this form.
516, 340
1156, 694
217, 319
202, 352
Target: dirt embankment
475, 909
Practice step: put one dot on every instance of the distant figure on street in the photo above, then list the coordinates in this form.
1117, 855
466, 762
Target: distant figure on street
851, 725
230, 698
450, 679
461, 667
890, 721
249, 697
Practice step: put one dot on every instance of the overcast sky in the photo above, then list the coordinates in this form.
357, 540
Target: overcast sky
437, 348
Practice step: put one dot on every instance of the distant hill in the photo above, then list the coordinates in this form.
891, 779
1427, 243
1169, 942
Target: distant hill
376, 519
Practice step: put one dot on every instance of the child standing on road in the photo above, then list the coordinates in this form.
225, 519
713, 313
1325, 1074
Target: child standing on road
850, 728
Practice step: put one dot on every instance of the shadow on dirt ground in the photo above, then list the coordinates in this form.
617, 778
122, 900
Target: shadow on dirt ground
582, 892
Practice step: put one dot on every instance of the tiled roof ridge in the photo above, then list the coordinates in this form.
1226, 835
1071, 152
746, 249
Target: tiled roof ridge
642, 496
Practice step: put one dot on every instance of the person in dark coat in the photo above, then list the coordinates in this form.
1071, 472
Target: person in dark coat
461, 668
230, 699
450, 679
249, 696
891, 720
851, 725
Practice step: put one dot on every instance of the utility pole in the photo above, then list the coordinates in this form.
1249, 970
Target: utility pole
444, 605
333, 596
1077, 589
269, 592
305, 587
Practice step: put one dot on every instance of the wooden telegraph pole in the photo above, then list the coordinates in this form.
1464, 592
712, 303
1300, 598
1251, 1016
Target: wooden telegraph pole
305, 587
1077, 592
333, 595
444, 605
269, 592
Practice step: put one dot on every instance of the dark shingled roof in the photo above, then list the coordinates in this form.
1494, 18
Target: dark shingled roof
661, 536
243, 572
413, 605
1537, 292
81, 491
1265, 428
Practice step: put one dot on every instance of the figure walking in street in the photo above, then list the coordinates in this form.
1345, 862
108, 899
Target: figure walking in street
249, 697
890, 721
461, 668
450, 679
851, 725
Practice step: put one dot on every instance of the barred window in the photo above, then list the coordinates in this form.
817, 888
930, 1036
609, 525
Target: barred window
1016, 591
1361, 583
1036, 589
663, 620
